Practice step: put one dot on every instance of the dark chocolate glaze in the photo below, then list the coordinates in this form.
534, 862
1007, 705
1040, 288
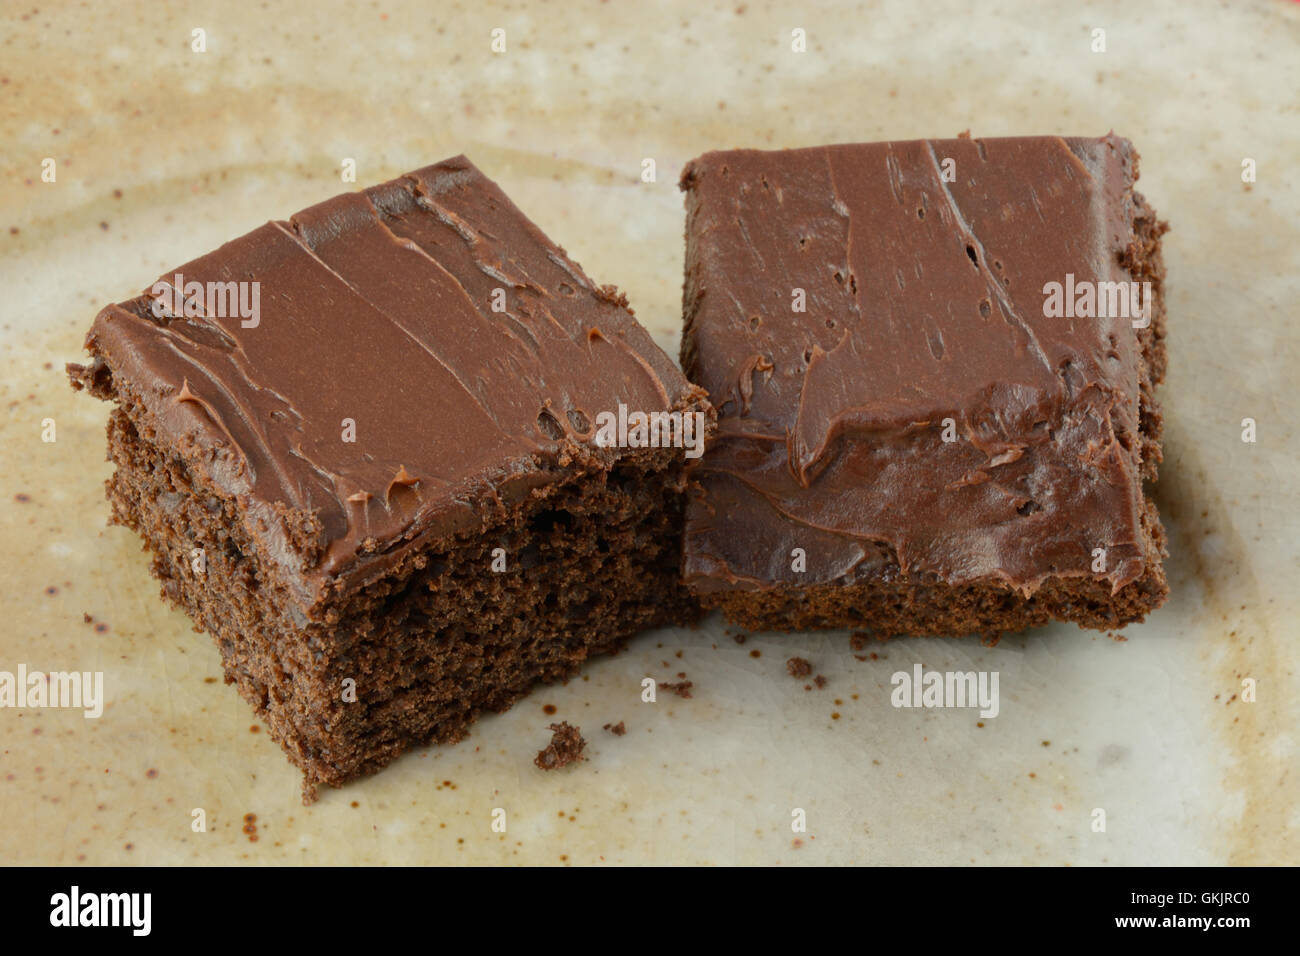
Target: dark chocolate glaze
924, 301
377, 307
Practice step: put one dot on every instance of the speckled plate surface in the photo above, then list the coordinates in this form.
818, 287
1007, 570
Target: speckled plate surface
163, 153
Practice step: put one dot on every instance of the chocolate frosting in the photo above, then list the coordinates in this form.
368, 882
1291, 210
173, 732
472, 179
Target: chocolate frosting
924, 302
377, 307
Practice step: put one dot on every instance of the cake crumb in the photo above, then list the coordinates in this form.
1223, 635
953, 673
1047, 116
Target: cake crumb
566, 746
681, 688
618, 730
798, 667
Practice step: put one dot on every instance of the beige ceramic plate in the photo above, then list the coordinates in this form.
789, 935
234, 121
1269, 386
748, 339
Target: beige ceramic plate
162, 153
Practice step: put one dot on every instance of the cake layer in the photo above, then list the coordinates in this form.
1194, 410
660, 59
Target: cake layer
592, 560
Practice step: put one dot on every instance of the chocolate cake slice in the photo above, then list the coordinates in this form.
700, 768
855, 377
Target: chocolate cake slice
933, 364
367, 450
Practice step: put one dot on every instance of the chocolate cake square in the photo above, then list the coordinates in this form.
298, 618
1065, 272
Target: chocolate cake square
368, 449
933, 364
